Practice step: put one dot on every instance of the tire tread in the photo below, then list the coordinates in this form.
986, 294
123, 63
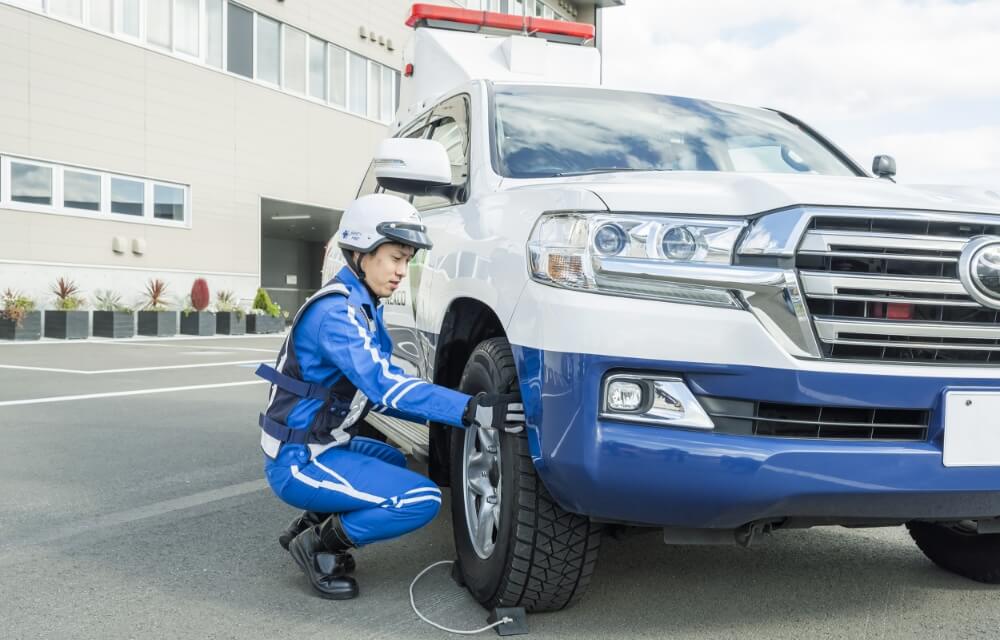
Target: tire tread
554, 552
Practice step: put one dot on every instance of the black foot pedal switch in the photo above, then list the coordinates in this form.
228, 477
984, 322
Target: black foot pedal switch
517, 624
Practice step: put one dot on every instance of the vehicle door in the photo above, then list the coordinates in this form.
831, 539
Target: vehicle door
449, 125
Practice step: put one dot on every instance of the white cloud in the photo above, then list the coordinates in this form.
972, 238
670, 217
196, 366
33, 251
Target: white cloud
890, 76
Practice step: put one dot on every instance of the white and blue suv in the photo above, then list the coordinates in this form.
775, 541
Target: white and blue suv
720, 324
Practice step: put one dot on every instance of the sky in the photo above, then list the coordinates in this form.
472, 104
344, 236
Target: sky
915, 79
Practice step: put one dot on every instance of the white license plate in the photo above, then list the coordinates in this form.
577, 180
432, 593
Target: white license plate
971, 429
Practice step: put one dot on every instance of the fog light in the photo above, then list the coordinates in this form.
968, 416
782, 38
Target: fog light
624, 396
653, 399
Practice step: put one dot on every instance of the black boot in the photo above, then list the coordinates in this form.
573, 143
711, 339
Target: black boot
311, 519
318, 551
300, 524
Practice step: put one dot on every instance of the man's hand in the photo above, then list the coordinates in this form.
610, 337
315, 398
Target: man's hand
483, 407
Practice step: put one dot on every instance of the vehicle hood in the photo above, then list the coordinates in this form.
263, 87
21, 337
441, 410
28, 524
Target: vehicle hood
740, 194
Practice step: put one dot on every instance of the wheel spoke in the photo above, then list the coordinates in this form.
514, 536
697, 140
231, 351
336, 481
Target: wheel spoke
488, 439
484, 527
478, 462
480, 486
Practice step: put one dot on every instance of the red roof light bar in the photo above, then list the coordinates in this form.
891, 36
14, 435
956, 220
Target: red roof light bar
423, 13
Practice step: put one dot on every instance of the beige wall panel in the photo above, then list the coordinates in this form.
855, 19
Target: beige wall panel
72, 96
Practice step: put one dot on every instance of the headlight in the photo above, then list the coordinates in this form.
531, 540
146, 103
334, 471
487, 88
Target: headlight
585, 251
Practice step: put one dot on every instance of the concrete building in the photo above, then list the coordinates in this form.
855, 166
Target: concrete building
177, 139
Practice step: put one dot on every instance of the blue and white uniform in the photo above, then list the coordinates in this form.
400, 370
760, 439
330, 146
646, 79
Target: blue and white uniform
333, 368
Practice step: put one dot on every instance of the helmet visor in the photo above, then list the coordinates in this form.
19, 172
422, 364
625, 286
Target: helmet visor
408, 233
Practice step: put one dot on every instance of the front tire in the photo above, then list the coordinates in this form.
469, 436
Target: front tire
515, 545
959, 549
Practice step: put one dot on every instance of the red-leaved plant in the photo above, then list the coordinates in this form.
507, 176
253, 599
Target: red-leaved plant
65, 291
199, 295
155, 295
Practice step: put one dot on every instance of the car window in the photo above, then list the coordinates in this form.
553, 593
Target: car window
450, 126
538, 136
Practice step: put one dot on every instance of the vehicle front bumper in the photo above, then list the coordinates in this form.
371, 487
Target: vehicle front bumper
666, 476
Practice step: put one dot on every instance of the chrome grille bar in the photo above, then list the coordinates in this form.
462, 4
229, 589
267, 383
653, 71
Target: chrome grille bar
875, 292
896, 299
826, 241
831, 328
830, 284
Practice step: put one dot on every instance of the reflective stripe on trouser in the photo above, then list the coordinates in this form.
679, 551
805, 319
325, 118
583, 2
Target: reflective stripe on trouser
365, 481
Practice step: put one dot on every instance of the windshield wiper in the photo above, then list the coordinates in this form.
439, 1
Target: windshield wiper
603, 170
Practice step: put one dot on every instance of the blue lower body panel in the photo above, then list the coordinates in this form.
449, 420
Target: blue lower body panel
665, 476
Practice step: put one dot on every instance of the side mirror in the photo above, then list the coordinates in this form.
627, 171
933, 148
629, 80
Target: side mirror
408, 165
884, 166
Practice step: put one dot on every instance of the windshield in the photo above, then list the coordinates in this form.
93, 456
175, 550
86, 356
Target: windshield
552, 131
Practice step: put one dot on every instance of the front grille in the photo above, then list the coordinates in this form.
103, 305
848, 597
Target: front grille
781, 420
887, 289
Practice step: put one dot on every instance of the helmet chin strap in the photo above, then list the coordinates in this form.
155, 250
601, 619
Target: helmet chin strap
355, 266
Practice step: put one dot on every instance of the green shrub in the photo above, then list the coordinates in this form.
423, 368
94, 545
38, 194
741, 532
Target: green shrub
108, 300
263, 302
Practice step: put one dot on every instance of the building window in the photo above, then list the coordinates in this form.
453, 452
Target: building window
295, 60
127, 196
30, 183
187, 33
388, 86
34, 185
214, 36
128, 17
240, 43
100, 14
81, 190
158, 23
225, 35
338, 76
268, 50
317, 68
358, 94
374, 89
72, 9
168, 202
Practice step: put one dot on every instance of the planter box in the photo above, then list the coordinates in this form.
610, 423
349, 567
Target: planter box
230, 323
264, 324
198, 323
67, 325
157, 323
30, 329
114, 324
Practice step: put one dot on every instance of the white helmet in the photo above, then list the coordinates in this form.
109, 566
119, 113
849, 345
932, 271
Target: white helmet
379, 218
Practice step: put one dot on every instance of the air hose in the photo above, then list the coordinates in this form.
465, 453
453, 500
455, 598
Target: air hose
504, 620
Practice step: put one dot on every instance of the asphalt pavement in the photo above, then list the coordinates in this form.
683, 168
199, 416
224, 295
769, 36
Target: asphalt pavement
132, 505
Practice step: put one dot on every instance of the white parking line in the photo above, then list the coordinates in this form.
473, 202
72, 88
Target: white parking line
83, 372
137, 392
146, 340
186, 346
49, 369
